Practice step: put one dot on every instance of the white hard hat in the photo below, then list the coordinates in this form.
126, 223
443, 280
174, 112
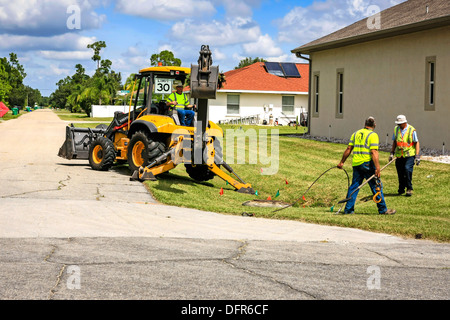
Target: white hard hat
401, 119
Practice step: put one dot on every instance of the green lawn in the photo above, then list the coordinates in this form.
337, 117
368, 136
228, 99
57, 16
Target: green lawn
9, 115
301, 162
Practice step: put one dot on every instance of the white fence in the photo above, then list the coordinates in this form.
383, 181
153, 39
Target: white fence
242, 120
105, 111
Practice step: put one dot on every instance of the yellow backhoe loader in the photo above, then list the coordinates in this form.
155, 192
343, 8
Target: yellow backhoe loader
150, 138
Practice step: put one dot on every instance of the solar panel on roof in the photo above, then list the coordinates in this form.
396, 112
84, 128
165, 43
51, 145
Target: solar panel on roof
283, 69
274, 68
290, 69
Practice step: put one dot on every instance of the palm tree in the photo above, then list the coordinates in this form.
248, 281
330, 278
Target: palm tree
101, 90
73, 100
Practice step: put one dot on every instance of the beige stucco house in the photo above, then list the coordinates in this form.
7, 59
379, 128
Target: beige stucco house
395, 62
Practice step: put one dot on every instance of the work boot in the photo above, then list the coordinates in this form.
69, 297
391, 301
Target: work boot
389, 212
409, 193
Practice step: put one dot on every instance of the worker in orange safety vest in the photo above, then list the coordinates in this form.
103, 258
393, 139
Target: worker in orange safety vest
406, 148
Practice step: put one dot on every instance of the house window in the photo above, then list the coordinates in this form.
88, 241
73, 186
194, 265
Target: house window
287, 105
316, 94
430, 84
340, 93
232, 104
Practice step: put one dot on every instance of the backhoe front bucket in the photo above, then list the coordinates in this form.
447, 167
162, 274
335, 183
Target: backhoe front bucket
77, 143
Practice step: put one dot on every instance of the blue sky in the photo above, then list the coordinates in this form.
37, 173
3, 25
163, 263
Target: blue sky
37, 30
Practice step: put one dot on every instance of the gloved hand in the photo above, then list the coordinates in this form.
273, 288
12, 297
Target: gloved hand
417, 160
391, 156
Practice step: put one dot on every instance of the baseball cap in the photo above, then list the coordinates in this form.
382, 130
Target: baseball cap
177, 83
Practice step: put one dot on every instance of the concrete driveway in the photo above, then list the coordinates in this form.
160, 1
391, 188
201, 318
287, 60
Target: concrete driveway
69, 232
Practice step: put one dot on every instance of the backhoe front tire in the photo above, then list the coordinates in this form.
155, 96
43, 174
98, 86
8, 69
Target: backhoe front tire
201, 172
102, 154
142, 150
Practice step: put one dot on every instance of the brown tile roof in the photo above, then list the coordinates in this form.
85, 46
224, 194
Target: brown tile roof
256, 78
406, 17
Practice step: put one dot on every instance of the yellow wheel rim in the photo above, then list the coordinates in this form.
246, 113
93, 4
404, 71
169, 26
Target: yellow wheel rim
97, 154
138, 148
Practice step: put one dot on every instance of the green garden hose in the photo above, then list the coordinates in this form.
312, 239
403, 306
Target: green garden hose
301, 197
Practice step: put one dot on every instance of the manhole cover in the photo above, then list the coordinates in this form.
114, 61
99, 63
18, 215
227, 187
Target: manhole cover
266, 203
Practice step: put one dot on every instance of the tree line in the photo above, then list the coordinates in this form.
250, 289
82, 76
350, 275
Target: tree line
79, 91
13, 92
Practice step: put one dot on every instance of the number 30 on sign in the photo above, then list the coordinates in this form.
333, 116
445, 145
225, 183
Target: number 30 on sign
163, 86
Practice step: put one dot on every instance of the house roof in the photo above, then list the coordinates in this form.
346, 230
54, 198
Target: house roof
256, 78
409, 16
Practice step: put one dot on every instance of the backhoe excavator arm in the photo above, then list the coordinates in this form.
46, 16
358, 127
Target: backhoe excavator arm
240, 185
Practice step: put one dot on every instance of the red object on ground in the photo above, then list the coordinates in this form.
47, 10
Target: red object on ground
3, 109
221, 191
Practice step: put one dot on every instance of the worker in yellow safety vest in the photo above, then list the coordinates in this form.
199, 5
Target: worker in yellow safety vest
364, 144
180, 101
406, 148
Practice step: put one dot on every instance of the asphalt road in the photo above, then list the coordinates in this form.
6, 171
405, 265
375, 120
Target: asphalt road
68, 232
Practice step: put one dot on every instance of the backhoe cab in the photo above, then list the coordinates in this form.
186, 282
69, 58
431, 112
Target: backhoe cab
150, 138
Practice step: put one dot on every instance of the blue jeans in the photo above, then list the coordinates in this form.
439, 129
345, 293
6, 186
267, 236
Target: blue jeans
405, 168
186, 114
361, 172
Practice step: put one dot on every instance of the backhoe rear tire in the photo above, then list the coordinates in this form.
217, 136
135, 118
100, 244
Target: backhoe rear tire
143, 150
102, 154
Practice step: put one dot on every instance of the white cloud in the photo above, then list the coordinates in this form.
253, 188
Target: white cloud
166, 10
216, 33
65, 55
167, 47
357, 7
45, 17
239, 8
284, 58
140, 62
130, 64
56, 70
301, 24
65, 42
135, 51
218, 55
304, 24
264, 46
